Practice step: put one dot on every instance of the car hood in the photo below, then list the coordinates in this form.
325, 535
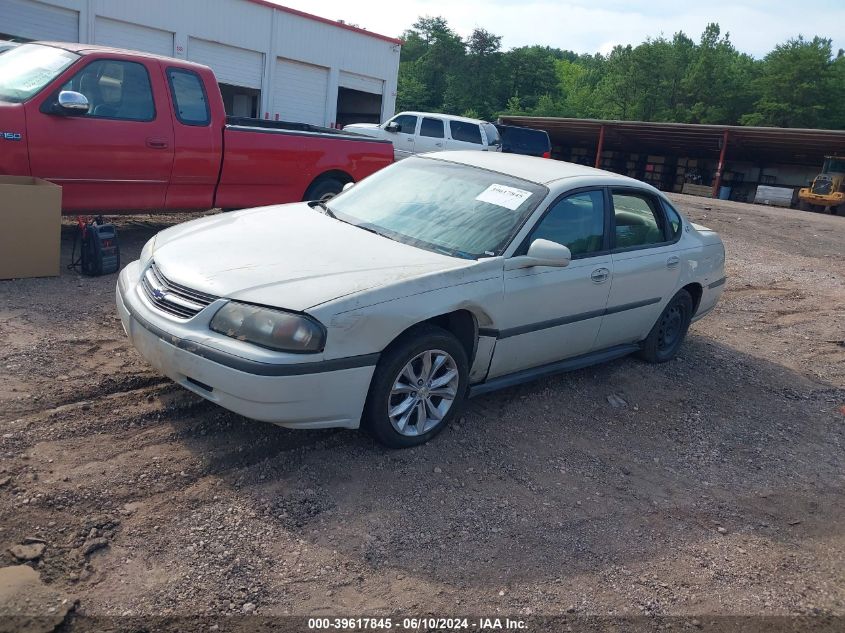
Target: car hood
370, 129
289, 256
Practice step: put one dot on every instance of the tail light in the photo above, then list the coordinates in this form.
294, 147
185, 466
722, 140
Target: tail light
547, 154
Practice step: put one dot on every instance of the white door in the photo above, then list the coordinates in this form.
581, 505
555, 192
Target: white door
554, 313
646, 269
140, 38
300, 92
361, 82
431, 137
403, 139
232, 65
38, 21
464, 135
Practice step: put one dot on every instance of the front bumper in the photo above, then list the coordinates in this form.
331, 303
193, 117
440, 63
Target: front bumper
832, 199
310, 394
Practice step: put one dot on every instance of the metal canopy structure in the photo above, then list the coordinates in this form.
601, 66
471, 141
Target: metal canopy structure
754, 144
736, 143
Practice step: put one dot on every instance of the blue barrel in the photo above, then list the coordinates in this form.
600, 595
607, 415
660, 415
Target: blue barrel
724, 193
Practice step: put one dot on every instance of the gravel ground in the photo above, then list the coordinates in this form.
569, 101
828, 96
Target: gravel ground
708, 486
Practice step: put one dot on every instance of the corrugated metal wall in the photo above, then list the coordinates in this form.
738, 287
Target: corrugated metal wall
255, 31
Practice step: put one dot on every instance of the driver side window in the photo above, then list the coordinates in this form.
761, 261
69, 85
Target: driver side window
115, 89
407, 123
577, 222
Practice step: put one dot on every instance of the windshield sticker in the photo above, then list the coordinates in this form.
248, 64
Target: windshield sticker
503, 196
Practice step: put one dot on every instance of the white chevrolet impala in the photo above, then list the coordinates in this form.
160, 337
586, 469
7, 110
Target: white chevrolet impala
438, 278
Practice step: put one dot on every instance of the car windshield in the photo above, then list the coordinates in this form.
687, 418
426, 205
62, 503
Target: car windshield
27, 69
441, 206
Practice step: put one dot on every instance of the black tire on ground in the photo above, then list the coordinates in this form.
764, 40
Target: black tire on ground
835, 210
324, 189
393, 360
665, 338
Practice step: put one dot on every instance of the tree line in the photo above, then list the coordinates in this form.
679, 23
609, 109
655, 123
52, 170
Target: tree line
800, 83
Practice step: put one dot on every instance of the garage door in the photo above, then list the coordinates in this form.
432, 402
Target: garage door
300, 91
234, 66
361, 82
140, 38
37, 21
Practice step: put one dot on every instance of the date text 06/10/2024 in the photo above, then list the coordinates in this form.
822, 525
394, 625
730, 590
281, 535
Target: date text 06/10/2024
414, 624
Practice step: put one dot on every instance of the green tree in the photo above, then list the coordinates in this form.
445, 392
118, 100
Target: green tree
800, 86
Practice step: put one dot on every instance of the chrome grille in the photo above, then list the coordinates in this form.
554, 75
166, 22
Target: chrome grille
171, 297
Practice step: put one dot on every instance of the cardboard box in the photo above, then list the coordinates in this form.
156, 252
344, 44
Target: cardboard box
31, 220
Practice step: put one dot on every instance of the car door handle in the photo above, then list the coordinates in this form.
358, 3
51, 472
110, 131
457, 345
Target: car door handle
157, 143
600, 275
673, 261
438, 144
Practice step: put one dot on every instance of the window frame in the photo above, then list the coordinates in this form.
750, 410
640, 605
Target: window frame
431, 118
656, 204
49, 103
417, 119
459, 140
667, 205
522, 249
187, 71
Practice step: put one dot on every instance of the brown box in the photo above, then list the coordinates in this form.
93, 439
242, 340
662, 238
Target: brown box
30, 227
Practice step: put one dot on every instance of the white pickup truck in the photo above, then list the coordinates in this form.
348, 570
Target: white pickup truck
420, 132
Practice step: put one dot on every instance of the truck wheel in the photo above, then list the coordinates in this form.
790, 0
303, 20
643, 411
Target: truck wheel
665, 338
418, 387
323, 189
834, 210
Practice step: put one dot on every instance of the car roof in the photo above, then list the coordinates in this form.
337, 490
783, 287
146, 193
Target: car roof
542, 171
447, 117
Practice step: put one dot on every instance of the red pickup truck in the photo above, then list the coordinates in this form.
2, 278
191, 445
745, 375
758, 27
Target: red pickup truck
123, 131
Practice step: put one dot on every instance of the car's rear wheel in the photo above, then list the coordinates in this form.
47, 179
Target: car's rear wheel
667, 335
418, 387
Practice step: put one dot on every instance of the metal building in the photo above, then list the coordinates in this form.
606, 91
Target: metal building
271, 61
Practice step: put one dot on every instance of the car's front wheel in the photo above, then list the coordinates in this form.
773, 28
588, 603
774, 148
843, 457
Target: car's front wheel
418, 387
665, 338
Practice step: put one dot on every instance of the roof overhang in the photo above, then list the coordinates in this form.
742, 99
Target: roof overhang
755, 144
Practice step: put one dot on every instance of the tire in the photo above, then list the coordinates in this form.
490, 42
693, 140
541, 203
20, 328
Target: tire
667, 335
402, 364
323, 189
835, 210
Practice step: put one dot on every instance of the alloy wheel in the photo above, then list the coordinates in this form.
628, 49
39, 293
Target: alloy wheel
423, 393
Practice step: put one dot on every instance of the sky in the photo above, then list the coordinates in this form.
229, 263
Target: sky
588, 26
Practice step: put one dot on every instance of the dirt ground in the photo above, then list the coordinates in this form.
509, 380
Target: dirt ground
715, 486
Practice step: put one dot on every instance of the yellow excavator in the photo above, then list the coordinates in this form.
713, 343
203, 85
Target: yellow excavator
827, 189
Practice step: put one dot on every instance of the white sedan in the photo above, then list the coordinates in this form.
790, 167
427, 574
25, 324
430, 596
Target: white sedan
436, 279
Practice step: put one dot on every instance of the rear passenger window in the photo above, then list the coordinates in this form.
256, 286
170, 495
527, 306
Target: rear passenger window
189, 98
115, 89
637, 220
463, 131
674, 220
431, 127
577, 222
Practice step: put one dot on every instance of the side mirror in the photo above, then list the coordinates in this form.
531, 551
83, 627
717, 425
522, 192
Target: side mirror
393, 127
71, 102
542, 253
348, 186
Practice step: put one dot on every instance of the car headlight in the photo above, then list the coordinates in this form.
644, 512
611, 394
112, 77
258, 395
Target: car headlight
147, 253
274, 329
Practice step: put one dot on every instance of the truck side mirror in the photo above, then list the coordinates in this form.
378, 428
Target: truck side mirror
70, 102
393, 127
